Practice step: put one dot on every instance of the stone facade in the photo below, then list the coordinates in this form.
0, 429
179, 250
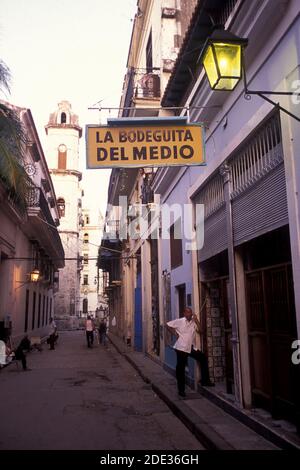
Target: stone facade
29, 241
90, 236
64, 132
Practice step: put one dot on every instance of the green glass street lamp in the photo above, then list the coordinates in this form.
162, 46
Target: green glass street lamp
223, 59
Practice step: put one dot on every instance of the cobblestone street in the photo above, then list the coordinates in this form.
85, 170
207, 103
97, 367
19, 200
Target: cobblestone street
80, 398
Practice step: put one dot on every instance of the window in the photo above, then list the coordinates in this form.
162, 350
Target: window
261, 153
26, 310
39, 311
47, 304
86, 238
33, 311
181, 299
61, 207
85, 258
85, 280
44, 301
62, 157
85, 306
149, 63
63, 118
176, 244
87, 219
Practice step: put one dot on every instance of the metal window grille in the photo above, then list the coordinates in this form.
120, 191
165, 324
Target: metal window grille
260, 154
212, 195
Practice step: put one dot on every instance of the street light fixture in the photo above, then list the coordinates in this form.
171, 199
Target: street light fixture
223, 60
34, 275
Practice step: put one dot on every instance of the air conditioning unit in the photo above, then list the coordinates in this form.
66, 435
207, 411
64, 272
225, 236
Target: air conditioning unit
150, 84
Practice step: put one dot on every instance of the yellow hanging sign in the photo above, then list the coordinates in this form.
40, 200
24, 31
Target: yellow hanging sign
112, 147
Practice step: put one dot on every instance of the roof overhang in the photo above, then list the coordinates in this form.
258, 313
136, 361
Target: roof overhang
36, 228
187, 65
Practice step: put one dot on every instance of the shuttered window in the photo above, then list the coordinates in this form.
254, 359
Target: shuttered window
33, 311
258, 191
26, 310
176, 244
259, 200
39, 311
215, 233
62, 160
261, 153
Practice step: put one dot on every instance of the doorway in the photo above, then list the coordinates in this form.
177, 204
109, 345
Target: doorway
217, 327
138, 317
272, 329
181, 299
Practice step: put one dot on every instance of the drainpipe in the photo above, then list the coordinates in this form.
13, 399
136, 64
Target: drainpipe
178, 22
226, 174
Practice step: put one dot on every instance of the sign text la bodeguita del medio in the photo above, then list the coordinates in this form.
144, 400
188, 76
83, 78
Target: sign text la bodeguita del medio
109, 147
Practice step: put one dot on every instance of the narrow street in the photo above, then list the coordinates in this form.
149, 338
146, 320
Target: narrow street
149, 192
80, 398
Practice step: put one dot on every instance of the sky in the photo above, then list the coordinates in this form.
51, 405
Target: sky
73, 50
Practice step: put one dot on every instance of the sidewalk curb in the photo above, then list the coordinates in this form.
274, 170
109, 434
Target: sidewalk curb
271, 435
207, 436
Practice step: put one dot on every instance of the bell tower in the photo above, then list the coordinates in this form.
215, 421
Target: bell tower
62, 153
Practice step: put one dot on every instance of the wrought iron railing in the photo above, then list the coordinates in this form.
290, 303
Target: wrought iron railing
35, 198
146, 83
112, 227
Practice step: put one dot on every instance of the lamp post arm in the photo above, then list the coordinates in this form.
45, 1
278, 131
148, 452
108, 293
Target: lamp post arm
262, 94
277, 105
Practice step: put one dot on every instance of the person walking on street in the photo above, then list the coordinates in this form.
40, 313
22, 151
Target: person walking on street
89, 329
52, 333
102, 332
185, 329
20, 352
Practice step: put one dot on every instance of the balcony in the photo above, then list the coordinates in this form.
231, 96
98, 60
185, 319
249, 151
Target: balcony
141, 89
146, 189
112, 229
147, 84
41, 226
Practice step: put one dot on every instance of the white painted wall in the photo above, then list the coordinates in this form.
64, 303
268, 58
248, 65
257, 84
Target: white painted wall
67, 186
68, 137
94, 229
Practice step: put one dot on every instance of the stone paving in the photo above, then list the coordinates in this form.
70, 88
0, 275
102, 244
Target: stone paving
80, 398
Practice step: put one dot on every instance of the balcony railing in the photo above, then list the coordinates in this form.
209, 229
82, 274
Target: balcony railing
36, 198
146, 83
112, 227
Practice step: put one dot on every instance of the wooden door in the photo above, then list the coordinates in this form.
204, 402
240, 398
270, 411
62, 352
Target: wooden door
272, 329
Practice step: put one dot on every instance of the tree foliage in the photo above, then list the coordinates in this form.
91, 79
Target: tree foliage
12, 146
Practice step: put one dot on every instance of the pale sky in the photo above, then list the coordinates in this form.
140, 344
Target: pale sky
73, 50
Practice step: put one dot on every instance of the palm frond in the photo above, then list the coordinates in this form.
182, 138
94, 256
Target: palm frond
12, 147
4, 77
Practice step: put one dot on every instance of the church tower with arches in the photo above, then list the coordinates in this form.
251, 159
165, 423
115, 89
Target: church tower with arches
63, 135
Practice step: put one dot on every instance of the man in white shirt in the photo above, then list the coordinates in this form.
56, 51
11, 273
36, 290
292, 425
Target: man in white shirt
185, 329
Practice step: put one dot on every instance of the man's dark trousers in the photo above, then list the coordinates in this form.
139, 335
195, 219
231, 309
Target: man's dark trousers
182, 357
90, 338
20, 356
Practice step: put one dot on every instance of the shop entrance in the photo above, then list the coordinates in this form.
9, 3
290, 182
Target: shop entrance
271, 322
